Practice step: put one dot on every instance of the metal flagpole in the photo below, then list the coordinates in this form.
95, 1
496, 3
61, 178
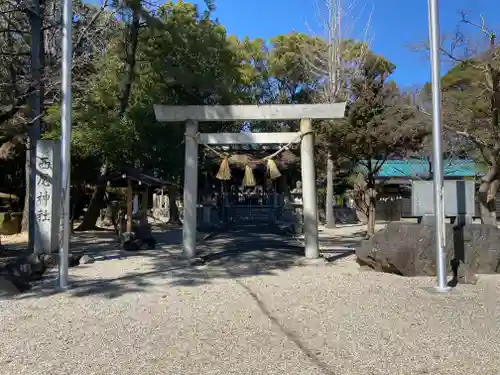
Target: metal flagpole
67, 21
437, 156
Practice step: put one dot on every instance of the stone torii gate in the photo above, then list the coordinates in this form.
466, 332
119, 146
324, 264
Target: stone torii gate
303, 112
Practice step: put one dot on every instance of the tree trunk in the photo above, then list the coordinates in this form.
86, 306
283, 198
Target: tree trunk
329, 209
94, 209
96, 203
487, 195
35, 102
130, 47
489, 185
486, 208
29, 216
492, 198
173, 209
78, 202
371, 201
26, 209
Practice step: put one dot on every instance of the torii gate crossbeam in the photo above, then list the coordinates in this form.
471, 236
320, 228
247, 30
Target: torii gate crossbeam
191, 115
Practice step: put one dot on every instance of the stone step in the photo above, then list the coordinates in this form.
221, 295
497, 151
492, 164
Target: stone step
252, 210
252, 217
255, 217
251, 213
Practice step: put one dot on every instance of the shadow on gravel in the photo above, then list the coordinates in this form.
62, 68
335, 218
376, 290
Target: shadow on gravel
290, 335
242, 251
103, 246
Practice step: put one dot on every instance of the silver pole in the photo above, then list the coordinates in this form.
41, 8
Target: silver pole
437, 156
67, 21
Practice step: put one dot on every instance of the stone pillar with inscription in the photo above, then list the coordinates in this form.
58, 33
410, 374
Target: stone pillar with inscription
47, 196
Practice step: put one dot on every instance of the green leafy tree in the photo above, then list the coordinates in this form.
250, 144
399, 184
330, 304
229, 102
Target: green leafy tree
181, 57
187, 60
379, 126
471, 104
30, 65
335, 58
102, 127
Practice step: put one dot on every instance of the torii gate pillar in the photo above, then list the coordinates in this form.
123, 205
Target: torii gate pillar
309, 206
190, 190
304, 112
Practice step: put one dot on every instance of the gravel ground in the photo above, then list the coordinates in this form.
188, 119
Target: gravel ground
148, 314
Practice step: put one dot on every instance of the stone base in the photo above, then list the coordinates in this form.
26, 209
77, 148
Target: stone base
86, 259
132, 241
448, 291
195, 262
60, 289
311, 262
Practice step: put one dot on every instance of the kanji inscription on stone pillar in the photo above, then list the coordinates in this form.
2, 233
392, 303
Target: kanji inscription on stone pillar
48, 196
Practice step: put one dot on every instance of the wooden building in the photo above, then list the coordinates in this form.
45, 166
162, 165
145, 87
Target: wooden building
395, 178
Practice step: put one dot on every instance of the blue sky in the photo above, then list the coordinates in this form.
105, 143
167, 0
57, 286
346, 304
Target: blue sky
395, 24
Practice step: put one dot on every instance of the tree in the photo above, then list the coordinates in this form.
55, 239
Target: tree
455, 148
91, 29
471, 103
128, 57
275, 74
379, 126
187, 60
33, 28
183, 57
334, 60
101, 32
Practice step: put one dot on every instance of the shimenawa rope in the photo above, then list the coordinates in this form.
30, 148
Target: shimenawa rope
224, 172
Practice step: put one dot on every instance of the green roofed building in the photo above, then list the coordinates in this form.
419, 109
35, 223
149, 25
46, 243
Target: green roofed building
420, 169
395, 177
